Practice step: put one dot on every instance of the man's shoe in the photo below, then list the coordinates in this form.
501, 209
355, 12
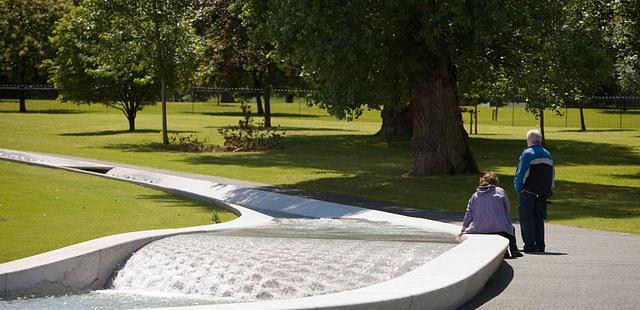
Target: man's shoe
516, 254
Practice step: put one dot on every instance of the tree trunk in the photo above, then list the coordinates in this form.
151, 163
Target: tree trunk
23, 105
132, 122
439, 143
583, 127
395, 123
288, 98
165, 136
475, 116
542, 126
258, 85
267, 99
259, 104
227, 97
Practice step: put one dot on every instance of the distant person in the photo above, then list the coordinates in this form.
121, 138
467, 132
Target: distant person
534, 184
488, 213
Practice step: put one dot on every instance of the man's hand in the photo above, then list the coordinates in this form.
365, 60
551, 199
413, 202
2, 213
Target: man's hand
459, 237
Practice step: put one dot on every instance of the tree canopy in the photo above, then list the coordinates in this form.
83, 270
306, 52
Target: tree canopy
25, 27
366, 54
117, 53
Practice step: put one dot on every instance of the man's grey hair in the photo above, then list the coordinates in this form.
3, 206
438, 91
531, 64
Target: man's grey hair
534, 136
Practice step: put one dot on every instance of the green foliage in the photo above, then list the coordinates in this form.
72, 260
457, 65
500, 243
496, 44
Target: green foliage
117, 52
237, 52
25, 27
624, 31
248, 136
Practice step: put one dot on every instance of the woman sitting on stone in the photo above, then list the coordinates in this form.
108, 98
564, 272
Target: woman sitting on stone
488, 213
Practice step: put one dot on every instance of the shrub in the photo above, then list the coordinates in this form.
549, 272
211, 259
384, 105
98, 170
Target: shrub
247, 136
190, 143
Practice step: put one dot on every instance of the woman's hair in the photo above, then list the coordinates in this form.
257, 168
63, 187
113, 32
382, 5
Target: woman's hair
489, 178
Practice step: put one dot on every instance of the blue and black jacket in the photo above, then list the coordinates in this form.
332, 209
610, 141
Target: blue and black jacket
535, 173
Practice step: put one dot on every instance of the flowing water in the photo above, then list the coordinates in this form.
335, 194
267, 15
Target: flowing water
291, 258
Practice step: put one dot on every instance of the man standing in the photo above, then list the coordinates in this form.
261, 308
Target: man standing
534, 184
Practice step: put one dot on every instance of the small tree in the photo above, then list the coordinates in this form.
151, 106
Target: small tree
166, 28
98, 61
124, 54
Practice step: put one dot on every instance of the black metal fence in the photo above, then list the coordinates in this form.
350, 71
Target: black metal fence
621, 112
597, 112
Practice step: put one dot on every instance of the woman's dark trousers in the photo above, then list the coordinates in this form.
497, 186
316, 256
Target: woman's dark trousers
513, 248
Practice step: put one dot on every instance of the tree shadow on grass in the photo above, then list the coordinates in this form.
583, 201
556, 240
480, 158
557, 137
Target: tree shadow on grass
597, 130
368, 155
277, 114
146, 147
618, 112
365, 166
565, 152
52, 111
289, 128
177, 200
118, 132
629, 176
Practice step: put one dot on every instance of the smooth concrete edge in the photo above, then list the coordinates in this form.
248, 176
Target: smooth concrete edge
3, 286
447, 281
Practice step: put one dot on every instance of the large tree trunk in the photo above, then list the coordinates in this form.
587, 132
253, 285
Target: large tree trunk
439, 143
165, 136
395, 123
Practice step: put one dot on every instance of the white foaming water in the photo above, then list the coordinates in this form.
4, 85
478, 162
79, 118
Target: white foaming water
292, 258
236, 269
317, 257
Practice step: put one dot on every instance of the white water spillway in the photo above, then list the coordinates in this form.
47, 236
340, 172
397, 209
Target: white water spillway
272, 263
290, 258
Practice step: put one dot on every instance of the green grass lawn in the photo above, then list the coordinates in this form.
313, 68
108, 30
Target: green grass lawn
44, 209
598, 172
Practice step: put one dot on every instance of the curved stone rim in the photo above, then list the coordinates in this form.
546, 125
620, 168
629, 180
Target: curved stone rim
445, 282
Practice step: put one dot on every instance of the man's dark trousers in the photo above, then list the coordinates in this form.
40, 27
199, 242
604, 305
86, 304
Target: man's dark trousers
533, 211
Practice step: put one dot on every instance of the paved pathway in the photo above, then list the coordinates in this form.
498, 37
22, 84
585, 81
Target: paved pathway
583, 268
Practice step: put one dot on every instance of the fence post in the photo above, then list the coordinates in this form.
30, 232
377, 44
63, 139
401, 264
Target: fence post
513, 113
621, 111
566, 117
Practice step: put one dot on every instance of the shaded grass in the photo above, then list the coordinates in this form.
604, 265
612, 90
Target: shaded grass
44, 209
597, 171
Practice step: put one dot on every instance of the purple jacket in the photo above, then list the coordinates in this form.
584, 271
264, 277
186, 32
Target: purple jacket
488, 211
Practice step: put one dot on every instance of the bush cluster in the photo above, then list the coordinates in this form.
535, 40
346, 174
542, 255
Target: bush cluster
247, 136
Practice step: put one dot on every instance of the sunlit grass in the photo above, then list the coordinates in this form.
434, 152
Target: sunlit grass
598, 171
44, 209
